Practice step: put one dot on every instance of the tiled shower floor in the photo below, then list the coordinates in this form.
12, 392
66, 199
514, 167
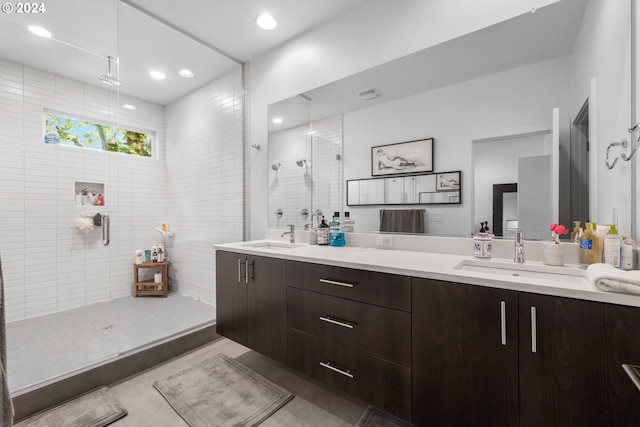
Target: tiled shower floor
50, 347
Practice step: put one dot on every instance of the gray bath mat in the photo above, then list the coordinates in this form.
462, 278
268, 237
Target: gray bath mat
222, 392
375, 417
95, 409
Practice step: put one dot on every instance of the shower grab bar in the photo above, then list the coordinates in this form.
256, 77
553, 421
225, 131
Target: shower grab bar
106, 229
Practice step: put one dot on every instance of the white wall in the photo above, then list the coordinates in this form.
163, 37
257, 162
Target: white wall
602, 55
47, 265
376, 32
454, 116
204, 181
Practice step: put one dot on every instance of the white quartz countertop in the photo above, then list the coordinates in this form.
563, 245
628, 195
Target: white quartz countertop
568, 281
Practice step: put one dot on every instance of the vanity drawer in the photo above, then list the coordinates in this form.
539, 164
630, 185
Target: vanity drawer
383, 332
387, 290
383, 384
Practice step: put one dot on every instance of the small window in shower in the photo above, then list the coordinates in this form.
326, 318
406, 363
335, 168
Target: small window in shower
65, 130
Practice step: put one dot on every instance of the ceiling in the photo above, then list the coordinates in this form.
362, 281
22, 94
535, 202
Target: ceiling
209, 37
548, 33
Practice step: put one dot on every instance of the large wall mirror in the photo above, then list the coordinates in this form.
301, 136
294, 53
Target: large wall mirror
441, 188
492, 100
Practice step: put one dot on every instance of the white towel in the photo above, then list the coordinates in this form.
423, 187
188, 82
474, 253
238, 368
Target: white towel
608, 278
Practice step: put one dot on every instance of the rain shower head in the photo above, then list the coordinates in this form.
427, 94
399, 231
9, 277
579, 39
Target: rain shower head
108, 78
275, 167
301, 163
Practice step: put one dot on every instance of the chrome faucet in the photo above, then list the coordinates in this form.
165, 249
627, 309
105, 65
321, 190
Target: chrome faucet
518, 252
292, 237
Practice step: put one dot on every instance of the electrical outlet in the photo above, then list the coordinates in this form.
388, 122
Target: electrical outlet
435, 216
384, 242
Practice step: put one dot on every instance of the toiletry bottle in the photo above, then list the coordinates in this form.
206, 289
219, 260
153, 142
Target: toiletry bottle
161, 254
588, 246
482, 243
348, 225
612, 247
154, 252
336, 236
323, 233
626, 259
575, 234
600, 231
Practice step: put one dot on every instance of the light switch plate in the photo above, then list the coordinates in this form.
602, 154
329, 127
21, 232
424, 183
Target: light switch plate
435, 216
384, 242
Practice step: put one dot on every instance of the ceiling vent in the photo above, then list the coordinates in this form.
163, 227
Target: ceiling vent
369, 94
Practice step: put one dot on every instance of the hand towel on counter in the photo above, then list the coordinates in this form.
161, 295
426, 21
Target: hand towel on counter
402, 220
6, 417
608, 278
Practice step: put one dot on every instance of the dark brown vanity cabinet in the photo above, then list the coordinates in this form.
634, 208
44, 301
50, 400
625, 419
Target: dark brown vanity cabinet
571, 356
465, 355
251, 302
491, 357
351, 329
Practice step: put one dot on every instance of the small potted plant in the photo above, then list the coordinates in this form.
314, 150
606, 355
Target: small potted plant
552, 251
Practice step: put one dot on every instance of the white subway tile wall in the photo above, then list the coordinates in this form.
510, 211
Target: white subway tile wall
48, 265
291, 188
205, 180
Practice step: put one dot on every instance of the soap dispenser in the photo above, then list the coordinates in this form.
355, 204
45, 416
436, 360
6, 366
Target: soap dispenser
482, 242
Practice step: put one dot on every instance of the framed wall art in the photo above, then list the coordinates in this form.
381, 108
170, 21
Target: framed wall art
448, 181
404, 157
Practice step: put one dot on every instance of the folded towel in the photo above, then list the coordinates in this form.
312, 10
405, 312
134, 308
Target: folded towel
402, 220
608, 278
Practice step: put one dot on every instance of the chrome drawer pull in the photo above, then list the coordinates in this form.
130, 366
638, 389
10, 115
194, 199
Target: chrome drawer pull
336, 322
503, 322
632, 371
333, 282
346, 373
534, 331
239, 270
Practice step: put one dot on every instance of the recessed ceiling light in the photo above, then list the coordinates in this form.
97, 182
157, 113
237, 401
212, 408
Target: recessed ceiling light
39, 31
185, 73
157, 75
129, 107
266, 21
277, 120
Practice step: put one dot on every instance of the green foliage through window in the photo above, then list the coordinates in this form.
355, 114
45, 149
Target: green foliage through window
82, 133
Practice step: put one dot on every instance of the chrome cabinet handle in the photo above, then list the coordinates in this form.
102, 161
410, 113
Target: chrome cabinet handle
336, 322
239, 273
632, 371
534, 331
328, 365
333, 282
503, 322
246, 271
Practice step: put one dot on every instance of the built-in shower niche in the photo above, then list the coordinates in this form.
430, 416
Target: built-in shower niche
89, 194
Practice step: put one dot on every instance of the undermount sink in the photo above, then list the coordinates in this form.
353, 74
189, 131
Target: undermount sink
534, 271
271, 245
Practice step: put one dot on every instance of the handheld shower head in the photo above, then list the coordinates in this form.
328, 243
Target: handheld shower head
275, 167
301, 163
